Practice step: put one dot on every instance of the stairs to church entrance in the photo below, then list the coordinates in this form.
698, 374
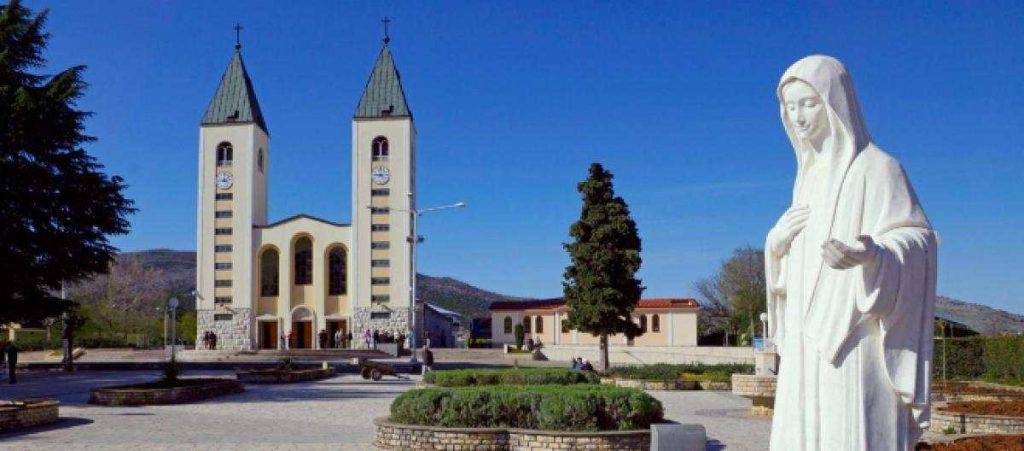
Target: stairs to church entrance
273, 355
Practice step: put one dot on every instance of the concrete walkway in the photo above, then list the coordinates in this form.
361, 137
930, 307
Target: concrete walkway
331, 414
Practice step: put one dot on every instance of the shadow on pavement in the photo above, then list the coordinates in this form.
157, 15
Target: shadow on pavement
62, 423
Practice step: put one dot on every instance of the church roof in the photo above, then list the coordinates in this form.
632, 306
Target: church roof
235, 100
383, 95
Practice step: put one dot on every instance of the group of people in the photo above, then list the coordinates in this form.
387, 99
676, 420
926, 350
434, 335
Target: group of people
581, 364
209, 340
338, 340
372, 338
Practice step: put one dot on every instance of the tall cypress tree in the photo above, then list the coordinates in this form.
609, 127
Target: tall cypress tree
57, 207
600, 287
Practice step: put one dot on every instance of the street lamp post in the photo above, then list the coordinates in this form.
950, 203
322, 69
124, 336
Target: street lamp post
172, 305
414, 239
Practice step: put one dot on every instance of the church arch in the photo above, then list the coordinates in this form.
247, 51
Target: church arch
380, 149
526, 324
224, 154
337, 270
302, 260
270, 262
643, 323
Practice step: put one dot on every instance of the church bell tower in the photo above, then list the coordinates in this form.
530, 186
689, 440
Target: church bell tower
234, 157
383, 200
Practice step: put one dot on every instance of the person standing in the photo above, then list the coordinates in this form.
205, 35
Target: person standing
322, 338
12, 362
428, 360
284, 341
337, 338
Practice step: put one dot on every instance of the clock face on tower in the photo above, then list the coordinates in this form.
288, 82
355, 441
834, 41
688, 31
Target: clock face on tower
224, 180
380, 175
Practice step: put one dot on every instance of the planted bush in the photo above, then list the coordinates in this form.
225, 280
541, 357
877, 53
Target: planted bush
548, 407
992, 358
509, 376
695, 372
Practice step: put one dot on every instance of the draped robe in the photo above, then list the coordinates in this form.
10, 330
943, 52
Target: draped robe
855, 345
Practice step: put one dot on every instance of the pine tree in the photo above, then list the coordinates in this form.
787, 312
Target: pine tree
57, 207
600, 287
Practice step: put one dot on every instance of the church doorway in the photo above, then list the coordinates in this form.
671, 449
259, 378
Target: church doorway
333, 326
302, 335
302, 329
268, 334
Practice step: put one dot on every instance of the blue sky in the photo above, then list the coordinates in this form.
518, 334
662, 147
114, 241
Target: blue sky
513, 100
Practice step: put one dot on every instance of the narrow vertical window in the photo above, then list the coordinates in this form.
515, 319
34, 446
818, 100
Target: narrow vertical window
655, 323
508, 325
337, 272
526, 324
540, 325
269, 274
643, 324
259, 160
303, 261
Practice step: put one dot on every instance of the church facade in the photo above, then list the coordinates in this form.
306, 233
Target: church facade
264, 285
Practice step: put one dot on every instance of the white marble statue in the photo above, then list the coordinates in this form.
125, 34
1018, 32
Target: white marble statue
851, 271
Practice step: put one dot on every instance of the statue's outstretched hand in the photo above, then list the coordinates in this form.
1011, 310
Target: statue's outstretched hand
788, 227
838, 255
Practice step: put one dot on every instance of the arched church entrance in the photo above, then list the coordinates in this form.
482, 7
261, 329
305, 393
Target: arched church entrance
302, 328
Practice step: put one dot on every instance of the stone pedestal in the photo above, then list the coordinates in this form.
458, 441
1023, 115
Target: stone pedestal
759, 388
766, 363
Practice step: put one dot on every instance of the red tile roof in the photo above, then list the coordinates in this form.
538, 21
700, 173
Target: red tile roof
545, 304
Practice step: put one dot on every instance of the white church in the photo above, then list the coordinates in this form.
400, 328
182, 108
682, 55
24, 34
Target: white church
258, 281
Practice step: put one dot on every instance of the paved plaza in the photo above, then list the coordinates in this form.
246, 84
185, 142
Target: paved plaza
335, 413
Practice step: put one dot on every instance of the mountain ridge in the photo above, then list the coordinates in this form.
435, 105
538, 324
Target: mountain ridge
178, 270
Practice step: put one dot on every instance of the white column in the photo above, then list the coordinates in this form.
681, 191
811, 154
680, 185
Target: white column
671, 330
557, 328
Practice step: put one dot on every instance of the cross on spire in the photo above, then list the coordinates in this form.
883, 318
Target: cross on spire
386, 21
238, 36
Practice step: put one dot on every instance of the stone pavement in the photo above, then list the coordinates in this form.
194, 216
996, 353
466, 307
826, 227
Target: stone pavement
335, 413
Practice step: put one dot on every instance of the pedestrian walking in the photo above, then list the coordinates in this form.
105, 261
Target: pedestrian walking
12, 362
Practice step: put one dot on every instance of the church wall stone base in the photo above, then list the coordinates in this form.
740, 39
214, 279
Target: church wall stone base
395, 321
233, 328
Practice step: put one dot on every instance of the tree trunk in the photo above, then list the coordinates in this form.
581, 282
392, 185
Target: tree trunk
603, 363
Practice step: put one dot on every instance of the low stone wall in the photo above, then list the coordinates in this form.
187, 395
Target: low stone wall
969, 423
273, 376
672, 384
409, 437
760, 390
644, 355
140, 396
29, 413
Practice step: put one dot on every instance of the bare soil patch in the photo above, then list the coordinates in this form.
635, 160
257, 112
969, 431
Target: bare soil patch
966, 388
1002, 408
983, 443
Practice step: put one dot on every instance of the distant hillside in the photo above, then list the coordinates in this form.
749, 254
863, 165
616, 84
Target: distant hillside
176, 269
981, 318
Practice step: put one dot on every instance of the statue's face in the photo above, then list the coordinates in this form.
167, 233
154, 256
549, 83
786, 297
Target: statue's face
805, 111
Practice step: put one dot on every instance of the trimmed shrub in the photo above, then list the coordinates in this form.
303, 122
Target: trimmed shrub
566, 408
1004, 358
509, 376
694, 372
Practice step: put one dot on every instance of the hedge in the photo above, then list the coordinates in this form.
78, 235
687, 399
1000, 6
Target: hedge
509, 376
993, 358
697, 372
547, 407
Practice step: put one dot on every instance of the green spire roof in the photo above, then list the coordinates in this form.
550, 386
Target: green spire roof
235, 99
383, 96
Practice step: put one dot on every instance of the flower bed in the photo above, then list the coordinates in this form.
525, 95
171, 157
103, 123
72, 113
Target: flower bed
283, 376
164, 392
27, 413
578, 407
509, 376
980, 443
676, 377
975, 391
980, 417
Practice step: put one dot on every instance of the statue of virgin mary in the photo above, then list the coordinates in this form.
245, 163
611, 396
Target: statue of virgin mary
851, 274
